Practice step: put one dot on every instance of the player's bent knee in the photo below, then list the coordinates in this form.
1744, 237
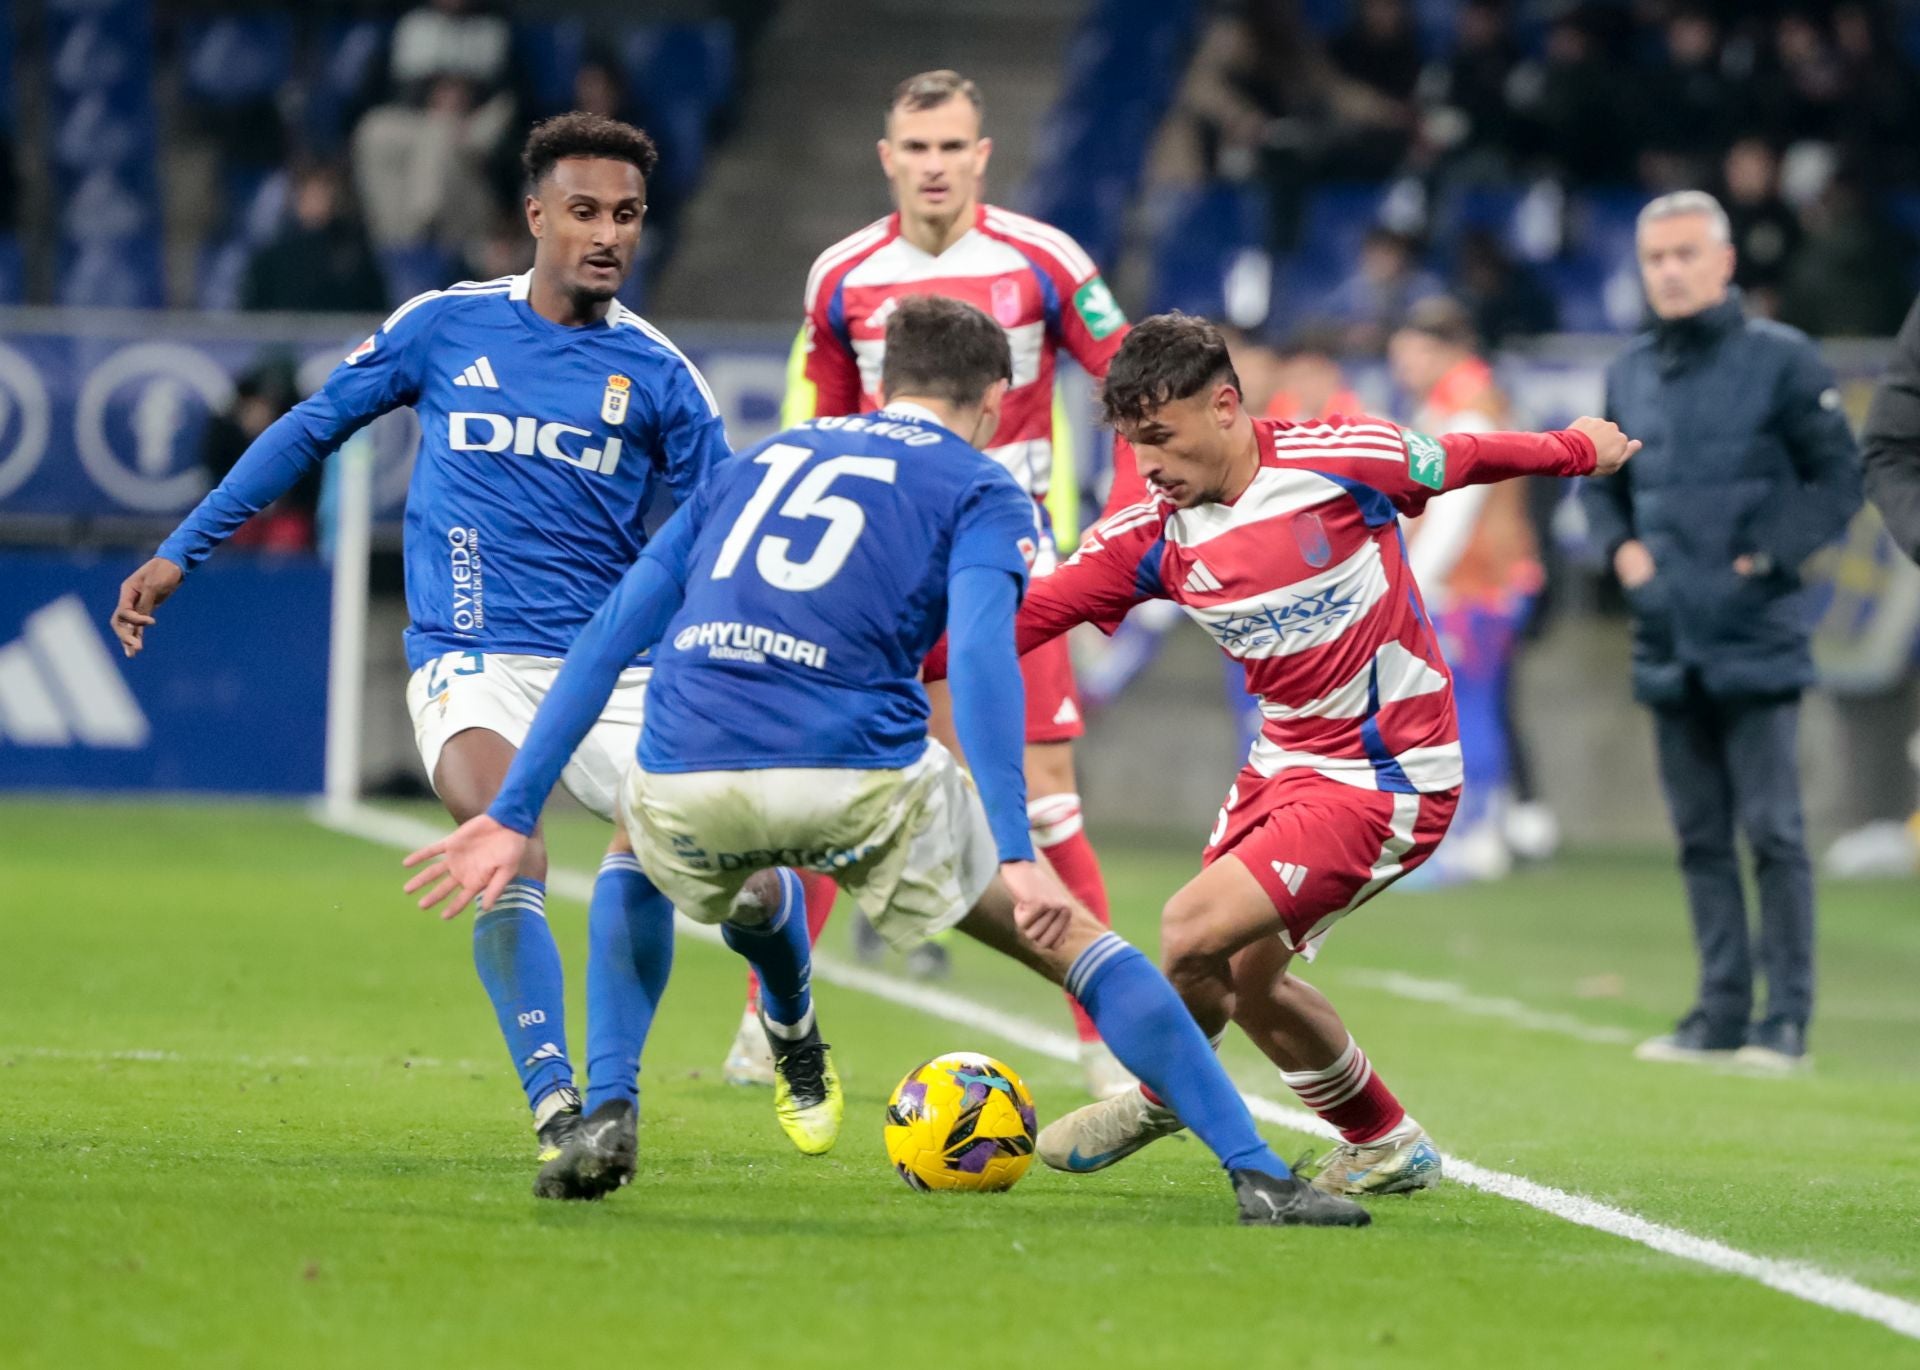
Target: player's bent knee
1190, 952
757, 901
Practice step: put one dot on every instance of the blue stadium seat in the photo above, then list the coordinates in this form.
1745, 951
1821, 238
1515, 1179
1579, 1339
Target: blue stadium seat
681, 75
1337, 220
411, 270
236, 60
548, 58
346, 61
1201, 231
112, 275
95, 133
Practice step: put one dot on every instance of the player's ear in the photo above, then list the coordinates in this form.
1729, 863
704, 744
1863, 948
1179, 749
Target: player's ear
535, 214
885, 149
1226, 405
984, 149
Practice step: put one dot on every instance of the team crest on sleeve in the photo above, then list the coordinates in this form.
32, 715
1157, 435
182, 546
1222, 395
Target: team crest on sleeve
613, 404
1099, 311
1029, 551
1426, 460
364, 349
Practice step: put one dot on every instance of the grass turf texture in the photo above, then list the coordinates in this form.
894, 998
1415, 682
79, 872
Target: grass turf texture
330, 1163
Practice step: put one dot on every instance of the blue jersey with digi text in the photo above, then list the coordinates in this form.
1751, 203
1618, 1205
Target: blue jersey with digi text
541, 449
815, 571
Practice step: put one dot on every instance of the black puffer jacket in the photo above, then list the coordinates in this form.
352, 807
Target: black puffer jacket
1747, 454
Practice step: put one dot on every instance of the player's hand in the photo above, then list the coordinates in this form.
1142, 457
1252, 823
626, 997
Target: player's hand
481, 856
140, 594
1633, 564
1042, 908
1611, 447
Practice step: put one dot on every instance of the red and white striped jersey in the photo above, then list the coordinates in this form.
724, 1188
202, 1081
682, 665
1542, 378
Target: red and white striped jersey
1029, 277
1304, 580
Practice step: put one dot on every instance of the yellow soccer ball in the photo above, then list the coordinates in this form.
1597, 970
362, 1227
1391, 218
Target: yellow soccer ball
961, 1121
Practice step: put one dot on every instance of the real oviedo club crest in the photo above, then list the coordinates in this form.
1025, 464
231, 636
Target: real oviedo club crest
613, 404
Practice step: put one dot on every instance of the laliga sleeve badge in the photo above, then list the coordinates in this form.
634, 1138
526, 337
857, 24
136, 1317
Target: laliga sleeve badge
613, 404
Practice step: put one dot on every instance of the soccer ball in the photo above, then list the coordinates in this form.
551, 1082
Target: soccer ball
961, 1121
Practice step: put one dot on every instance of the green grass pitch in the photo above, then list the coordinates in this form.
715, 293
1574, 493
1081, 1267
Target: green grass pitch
254, 1112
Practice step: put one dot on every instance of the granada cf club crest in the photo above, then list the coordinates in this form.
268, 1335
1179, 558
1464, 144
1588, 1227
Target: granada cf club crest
1311, 536
613, 404
1004, 298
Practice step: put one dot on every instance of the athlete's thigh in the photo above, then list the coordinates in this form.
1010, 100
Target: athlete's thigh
470, 714
678, 825
1053, 701
927, 852
597, 769
940, 719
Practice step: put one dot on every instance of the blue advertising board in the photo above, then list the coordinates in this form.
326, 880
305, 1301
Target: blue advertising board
230, 694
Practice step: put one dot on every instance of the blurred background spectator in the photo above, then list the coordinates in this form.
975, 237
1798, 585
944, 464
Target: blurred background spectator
321, 260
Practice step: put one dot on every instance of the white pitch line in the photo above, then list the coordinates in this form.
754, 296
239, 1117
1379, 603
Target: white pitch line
1460, 999
1796, 1279
156, 1055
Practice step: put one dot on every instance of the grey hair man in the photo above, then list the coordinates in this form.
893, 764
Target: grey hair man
1748, 469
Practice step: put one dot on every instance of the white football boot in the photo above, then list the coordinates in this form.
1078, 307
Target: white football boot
1094, 1137
1399, 1163
1104, 1074
749, 1059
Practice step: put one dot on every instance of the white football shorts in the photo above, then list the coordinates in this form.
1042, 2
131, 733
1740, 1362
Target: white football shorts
911, 846
499, 692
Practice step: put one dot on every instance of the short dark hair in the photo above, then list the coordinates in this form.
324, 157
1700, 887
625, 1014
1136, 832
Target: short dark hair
1165, 358
943, 349
1445, 320
930, 89
580, 134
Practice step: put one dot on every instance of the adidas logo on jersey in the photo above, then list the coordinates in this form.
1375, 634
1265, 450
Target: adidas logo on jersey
60, 688
1066, 713
525, 437
1200, 580
1292, 876
479, 374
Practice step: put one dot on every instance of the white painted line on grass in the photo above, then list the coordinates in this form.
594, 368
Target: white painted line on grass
1804, 1282
1460, 999
145, 1055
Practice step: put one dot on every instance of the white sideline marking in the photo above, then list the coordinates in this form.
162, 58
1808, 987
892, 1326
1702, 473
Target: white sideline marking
1459, 998
1793, 1278
250, 1062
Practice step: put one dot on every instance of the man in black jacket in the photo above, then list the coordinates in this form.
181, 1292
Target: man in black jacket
1748, 469
1891, 443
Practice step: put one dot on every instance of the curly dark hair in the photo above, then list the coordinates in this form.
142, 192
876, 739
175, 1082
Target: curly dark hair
585, 135
1165, 358
941, 348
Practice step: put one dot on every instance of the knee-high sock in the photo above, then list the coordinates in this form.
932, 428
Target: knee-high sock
514, 951
1141, 1017
1349, 1095
629, 957
1059, 831
821, 891
777, 950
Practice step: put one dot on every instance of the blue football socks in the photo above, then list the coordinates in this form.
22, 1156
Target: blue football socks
778, 950
514, 951
1141, 1018
629, 957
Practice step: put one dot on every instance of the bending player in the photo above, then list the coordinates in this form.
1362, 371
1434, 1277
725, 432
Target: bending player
1045, 292
548, 416
1282, 541
792, 601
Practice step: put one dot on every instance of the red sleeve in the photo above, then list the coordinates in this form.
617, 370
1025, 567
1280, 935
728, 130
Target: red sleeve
1117, 567
830, 371
1410, 468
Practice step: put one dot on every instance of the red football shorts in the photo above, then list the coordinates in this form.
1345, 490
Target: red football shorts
1053, 704
1319, 848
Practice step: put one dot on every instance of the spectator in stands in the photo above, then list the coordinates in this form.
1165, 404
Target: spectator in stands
1748, 469
1876, 119
321, 260
1890, 443
1503, 297
1572, 104
1387, 282
1849, 279
1802, 92
1470, 93
421, 170
260, 397
1683, 105
1379, 54
1308, 382
1766, 231
450, 38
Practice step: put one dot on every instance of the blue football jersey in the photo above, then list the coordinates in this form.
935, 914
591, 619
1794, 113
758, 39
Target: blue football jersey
541, 448
815, 571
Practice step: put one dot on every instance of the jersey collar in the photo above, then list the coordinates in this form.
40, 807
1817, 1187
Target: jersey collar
901, 409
